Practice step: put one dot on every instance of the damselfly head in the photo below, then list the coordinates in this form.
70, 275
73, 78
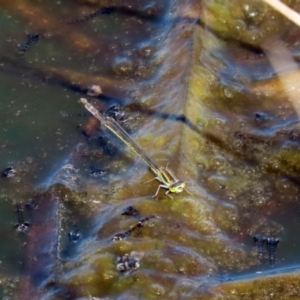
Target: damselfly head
177, 187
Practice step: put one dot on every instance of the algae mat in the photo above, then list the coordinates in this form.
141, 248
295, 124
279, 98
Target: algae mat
200, 95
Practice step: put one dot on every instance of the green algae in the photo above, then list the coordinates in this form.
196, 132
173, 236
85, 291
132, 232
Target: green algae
220, 154
272, 287
8, 287
234, 171
250, 22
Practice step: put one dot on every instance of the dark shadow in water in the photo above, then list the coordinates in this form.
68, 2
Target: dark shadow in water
137, 107
18, 68
114, 9
13, 67
127, 11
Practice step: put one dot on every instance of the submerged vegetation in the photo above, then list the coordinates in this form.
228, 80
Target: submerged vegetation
192, 82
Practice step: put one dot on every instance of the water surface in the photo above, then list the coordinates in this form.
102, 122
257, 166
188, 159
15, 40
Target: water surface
195, 96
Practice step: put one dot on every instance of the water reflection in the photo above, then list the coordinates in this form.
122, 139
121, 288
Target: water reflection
190, 100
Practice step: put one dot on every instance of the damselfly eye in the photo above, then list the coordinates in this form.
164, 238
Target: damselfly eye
179, 189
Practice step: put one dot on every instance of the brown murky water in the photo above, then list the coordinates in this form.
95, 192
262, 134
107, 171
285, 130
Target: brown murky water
198, 93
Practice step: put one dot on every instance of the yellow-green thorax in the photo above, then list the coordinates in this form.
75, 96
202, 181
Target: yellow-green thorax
168, 180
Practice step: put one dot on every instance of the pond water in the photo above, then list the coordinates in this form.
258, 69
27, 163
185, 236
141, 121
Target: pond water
195, 89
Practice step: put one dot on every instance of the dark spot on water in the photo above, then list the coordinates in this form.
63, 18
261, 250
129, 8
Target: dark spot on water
116, 112
74, 236
137, 228
9, 172
21, 226
272, 243
96, 172
260, 117
101, 11
85, 134
130, 211
259, 242
128, 262
32, 38
107, 146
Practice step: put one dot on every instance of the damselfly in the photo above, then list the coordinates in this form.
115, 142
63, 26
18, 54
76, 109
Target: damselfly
163, 175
